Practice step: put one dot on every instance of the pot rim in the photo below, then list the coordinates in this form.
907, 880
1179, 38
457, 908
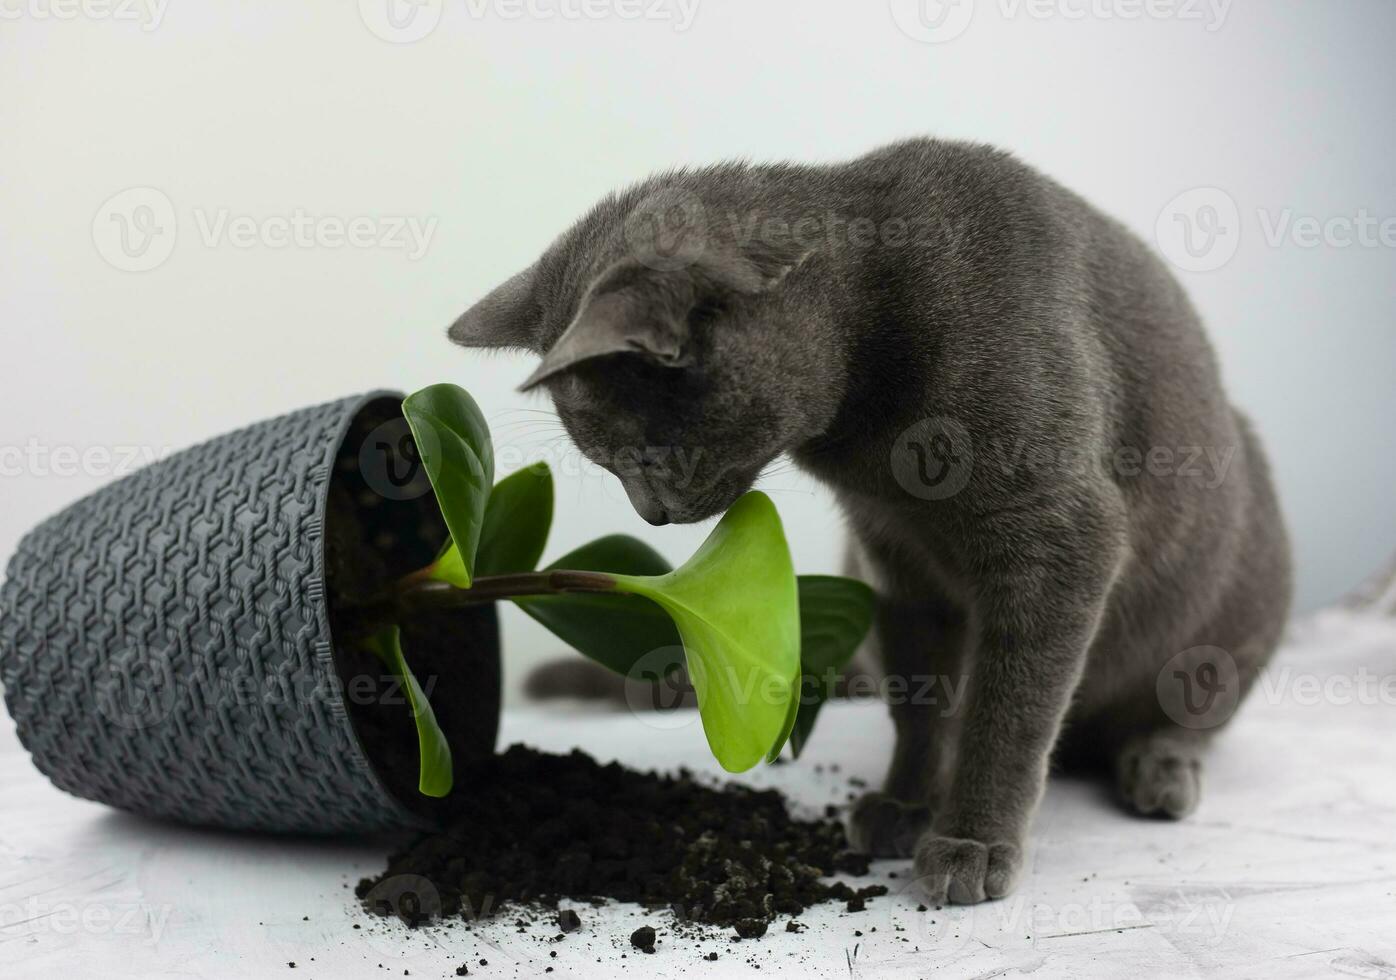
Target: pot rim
325, 647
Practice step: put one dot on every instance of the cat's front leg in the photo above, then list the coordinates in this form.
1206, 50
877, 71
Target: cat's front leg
921, 646
1039, 599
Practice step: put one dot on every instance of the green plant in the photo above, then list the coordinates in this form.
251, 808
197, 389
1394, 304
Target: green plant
761, 645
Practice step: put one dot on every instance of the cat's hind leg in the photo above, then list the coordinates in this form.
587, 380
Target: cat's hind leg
1159, 773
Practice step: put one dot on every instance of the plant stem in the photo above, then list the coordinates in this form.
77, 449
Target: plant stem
415, 594
431, 594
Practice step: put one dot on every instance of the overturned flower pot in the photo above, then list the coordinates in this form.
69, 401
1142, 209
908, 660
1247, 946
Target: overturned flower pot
168, 644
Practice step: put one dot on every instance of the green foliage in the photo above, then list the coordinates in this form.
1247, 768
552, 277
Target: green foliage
627, 633
835, 614
748, 630
737, 609
453, 442
435, 774
518, 516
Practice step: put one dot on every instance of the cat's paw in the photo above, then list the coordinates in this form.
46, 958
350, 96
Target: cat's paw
885, 826
1158, 776
963, 871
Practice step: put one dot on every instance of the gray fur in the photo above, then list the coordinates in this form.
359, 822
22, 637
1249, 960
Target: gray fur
969, 356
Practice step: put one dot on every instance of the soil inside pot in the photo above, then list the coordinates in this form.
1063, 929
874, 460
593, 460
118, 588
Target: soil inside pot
382, 522
534, 828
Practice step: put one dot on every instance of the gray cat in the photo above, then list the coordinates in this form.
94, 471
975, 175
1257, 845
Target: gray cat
1016, 407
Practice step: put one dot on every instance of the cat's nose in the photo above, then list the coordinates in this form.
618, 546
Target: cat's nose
646, 504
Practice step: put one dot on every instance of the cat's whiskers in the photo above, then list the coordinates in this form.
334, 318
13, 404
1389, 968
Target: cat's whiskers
511, 433
803, 493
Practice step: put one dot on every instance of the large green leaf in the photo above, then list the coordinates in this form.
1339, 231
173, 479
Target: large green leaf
518, 517
835, 614
453, 442
622, 632
736, 606
434, 773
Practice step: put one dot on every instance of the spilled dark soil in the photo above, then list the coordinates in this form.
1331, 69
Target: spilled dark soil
533, 828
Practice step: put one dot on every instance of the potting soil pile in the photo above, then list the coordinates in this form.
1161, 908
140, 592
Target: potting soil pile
534, 828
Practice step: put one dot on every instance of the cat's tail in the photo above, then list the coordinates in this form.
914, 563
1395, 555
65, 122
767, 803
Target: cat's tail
572, 677
584, 680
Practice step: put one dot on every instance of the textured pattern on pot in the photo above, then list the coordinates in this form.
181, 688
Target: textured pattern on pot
166, 643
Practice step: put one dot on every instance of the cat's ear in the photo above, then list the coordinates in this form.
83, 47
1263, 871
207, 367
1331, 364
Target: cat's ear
507, 317
642, 305
630, 309
753, 267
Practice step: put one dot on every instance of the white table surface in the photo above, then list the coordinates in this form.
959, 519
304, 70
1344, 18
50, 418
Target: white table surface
1287, 870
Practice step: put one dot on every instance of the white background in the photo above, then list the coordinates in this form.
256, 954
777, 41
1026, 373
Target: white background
500, 130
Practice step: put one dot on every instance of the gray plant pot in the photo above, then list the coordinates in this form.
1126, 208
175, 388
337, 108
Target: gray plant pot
167, 644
